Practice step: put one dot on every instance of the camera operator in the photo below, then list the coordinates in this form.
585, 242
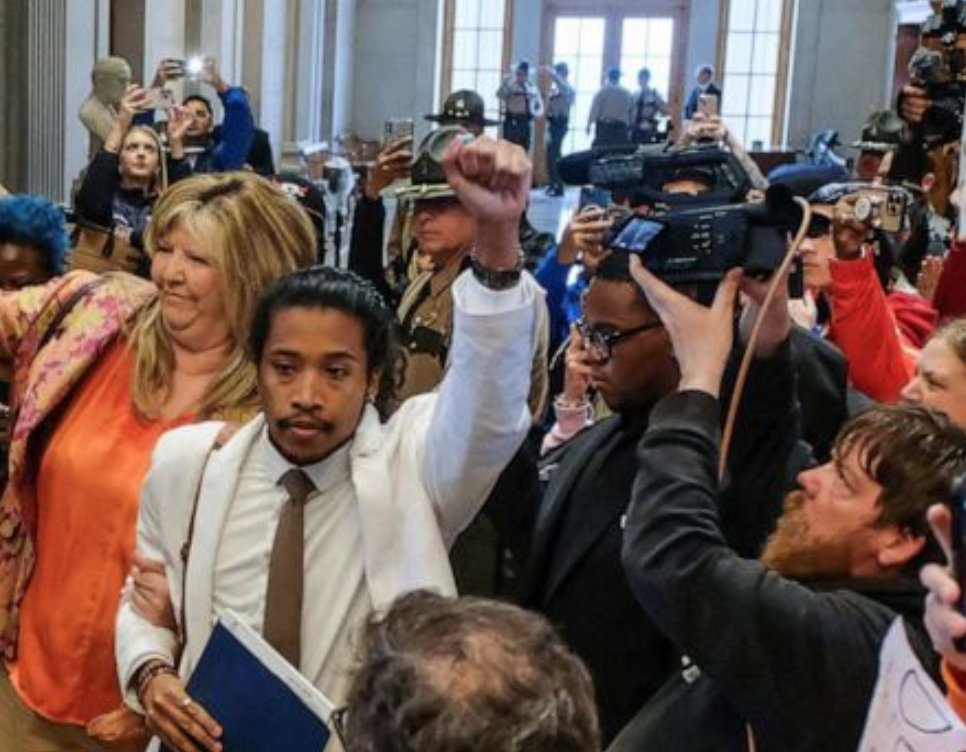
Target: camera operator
949, 297
574, 574
880, 334
770, 659
710, 130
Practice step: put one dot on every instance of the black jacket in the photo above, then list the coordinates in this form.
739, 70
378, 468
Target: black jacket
798, 665
574, 574
102, 201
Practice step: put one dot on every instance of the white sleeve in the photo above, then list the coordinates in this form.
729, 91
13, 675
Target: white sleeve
481, 417
137, 640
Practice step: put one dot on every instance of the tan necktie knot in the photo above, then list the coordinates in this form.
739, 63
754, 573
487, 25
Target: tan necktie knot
298, 485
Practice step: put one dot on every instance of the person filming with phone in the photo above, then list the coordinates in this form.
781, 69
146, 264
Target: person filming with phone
125, 178
212, 149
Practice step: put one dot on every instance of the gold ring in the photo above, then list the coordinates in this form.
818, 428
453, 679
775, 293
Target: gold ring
186, 703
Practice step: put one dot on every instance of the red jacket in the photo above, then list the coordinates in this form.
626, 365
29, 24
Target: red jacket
879, 335
950, 297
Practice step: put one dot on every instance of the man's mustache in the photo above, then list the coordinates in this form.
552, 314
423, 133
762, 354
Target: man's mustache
300, 421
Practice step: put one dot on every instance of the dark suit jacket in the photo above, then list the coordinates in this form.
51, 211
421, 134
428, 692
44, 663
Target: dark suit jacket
579, 583
580, 586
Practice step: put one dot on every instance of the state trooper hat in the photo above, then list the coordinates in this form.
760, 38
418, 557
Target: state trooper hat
463, 106
428, 179
884, 131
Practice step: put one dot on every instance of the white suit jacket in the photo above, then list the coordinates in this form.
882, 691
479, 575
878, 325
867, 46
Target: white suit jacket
419, 479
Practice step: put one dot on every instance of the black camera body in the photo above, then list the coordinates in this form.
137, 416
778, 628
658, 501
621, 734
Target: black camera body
691, 239
700, 245
939, 67
644, 171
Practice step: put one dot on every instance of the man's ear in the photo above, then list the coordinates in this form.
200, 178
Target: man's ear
372, 390
898, 546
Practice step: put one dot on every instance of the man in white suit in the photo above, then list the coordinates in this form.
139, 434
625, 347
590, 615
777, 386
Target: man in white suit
382, 502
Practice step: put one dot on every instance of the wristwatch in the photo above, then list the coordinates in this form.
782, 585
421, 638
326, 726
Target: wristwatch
497, 279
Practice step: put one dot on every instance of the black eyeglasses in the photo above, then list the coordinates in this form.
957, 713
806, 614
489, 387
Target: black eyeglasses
601, 343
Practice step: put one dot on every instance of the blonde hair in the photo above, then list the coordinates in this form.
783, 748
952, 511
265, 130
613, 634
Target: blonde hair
254, 234
953, 333
160, 180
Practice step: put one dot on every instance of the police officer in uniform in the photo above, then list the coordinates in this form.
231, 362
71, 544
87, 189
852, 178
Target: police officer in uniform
444, 234
561, 100
521, 104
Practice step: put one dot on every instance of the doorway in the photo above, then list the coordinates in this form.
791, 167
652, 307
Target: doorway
592, 37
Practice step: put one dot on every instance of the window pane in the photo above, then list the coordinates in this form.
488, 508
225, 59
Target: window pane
758, 129
738, 58
491, 49
769, 15
464, 50
762, 96
765, 56
660, 36
661, 76
742, 15
467, 13
735, 96
491, 14
488, 83
634, 37
592, 36
566, 36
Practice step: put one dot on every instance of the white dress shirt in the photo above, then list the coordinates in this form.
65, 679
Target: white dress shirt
335, 600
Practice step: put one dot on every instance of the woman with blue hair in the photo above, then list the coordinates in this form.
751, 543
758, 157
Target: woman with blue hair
33, 241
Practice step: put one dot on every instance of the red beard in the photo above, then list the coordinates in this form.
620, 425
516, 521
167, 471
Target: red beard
793, 551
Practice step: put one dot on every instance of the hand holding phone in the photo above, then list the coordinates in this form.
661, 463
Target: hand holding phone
159, 98
591, 195
396, 129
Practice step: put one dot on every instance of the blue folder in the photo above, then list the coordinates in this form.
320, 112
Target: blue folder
262, 703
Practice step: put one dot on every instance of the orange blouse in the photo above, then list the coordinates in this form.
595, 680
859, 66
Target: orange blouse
88, 490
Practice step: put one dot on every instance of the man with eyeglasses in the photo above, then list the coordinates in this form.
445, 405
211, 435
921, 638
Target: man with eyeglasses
574, 574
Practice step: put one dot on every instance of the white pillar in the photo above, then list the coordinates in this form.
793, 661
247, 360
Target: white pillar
274, 37
310, 70
46, 40
343, 62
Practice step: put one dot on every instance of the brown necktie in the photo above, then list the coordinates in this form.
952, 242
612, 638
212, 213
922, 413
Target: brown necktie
283, 601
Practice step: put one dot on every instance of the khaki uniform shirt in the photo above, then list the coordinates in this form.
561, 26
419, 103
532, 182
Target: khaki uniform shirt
426, 315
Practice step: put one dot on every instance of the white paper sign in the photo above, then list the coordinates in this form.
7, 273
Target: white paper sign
908, 712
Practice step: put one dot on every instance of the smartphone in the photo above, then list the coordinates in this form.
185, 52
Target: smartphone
957, 506
396, 129
882, 207
591, 195
159, 98
708, 105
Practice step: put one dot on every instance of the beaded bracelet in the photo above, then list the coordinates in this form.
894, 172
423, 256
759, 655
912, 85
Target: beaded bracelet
148, 672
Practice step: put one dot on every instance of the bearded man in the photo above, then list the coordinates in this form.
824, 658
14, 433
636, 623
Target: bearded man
772, 662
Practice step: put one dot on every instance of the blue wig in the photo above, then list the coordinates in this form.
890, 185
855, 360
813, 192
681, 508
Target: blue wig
35, 221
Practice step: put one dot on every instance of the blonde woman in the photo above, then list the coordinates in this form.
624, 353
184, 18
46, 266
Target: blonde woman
124, 179
103, 366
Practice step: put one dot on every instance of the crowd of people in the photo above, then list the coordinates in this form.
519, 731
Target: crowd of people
473, 487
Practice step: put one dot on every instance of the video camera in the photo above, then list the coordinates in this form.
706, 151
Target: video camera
700, 245
642, 172
939, 67
686, 238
